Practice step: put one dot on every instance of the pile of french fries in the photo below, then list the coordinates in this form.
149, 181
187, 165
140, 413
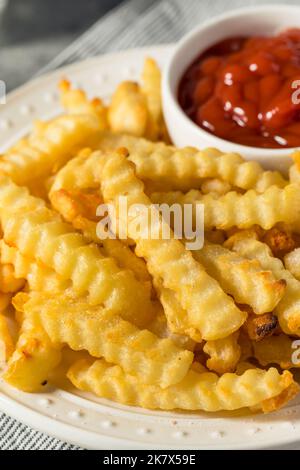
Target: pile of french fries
146, 322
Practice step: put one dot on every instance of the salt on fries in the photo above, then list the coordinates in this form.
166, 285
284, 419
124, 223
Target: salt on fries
145, 322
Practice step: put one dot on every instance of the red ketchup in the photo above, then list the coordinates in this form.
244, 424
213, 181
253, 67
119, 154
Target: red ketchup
243, 90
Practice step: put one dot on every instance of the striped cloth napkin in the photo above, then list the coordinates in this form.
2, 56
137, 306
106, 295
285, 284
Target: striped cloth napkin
135, 23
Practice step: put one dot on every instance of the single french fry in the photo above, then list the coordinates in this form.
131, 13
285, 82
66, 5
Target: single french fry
241, 210
49, 147
173, 169
197, 391
104, 334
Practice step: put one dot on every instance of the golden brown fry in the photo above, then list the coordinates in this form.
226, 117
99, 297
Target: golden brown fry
49, 147
241, 210
171, 168
72, 321
267, 390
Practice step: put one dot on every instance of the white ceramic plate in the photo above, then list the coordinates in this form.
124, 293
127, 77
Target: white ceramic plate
83, 419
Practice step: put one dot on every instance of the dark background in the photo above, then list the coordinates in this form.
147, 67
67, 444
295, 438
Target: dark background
32, 32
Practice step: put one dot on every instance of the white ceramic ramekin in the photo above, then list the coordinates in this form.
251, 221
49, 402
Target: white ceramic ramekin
261, 20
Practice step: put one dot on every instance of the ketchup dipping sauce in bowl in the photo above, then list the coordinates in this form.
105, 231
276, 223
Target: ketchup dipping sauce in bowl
243, 90
234, 83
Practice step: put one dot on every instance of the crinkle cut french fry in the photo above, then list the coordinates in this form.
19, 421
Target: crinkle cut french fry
241, 210
49, 147
197, 391
75, 101
34, 358
244, 279
41, 234
276, 350
7, 344
224, 354
38, 276
210, 312
104, 334
288, 309
292, 262
182, 169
